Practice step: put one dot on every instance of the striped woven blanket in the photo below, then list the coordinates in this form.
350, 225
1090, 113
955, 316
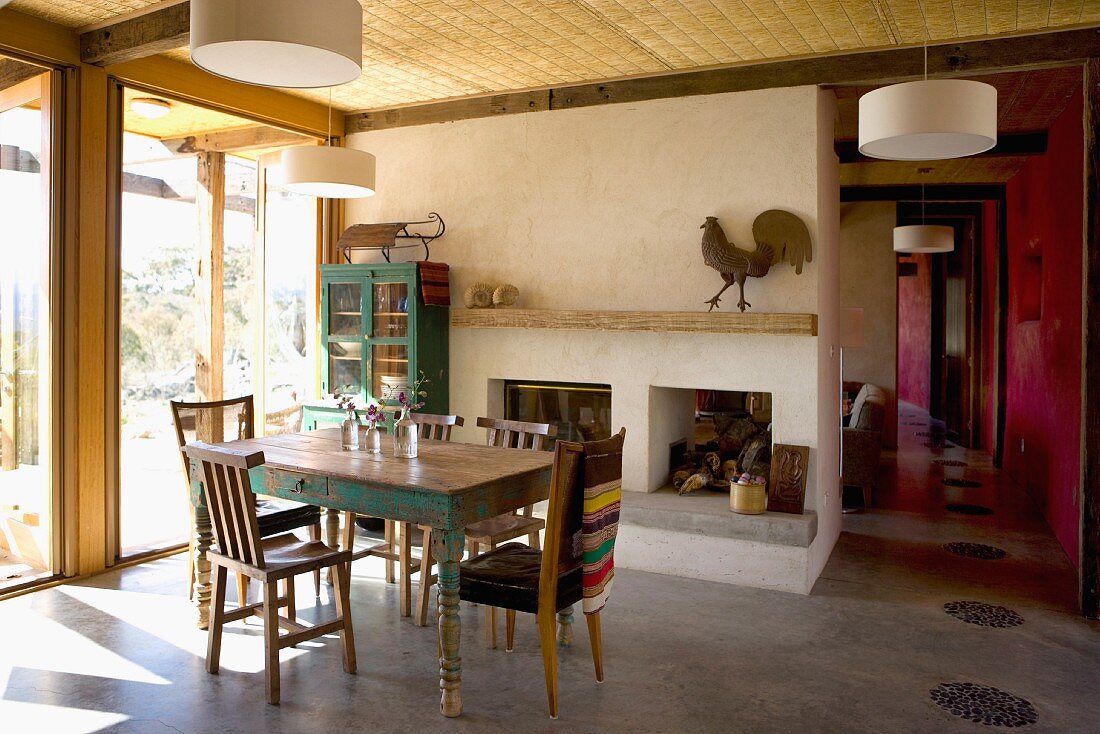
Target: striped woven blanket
600, 525
435, 283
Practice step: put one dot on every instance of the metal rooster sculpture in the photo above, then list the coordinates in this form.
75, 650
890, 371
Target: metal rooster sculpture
779, 236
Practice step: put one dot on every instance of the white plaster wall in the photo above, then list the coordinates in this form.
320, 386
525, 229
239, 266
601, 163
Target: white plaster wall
869, 281
600, 208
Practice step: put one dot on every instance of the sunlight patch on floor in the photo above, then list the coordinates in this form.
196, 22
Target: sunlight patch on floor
172, 619
44, 718
43, 644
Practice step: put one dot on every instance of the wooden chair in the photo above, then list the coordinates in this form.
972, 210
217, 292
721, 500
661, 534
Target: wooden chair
488, 534
240, 548
396, 546
226, 420
549, 582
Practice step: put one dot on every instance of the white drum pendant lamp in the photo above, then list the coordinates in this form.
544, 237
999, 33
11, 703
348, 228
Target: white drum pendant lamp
279, 43
327, 172
924, 238
932, 119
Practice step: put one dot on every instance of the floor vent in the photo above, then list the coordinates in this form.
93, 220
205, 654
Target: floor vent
984, 704
983, 615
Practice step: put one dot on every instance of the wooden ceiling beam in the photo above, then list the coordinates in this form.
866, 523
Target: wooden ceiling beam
257, 137
965, 58
13, 72
37, 39
164, 29
931, 192
1008, 144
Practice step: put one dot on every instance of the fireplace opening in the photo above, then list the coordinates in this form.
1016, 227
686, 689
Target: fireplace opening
731, 437
581, 411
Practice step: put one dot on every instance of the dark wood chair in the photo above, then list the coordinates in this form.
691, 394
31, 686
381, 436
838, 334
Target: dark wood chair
241, 549
228, 420
396, 546
549, 582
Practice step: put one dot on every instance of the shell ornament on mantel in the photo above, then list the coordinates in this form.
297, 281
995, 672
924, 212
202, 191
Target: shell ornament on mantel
505, 295
479, 295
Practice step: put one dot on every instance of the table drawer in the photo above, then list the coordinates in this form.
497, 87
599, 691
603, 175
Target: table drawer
292, 484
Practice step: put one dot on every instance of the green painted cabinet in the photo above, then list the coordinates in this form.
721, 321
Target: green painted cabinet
377, 336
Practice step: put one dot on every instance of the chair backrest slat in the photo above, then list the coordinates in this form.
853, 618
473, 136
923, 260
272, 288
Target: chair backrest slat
229, 499
437, 427
210, 421
516, 434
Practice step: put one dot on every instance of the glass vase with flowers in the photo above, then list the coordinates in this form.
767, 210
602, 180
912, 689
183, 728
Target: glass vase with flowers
406, 431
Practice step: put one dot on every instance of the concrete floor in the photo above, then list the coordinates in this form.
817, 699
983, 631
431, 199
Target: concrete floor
121, 653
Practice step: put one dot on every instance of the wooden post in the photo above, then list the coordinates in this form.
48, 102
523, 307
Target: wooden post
210, 292
1090, 489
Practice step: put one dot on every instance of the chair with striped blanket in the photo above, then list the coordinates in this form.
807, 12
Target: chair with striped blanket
576, 563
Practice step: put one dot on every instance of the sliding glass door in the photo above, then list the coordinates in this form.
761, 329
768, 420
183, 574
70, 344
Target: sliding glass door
27, 487
218, 266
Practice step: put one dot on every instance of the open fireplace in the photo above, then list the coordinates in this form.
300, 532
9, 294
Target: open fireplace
581, 411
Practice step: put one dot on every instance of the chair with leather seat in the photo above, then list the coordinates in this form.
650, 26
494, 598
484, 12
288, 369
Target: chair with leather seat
228, 420
584, 503
227, 488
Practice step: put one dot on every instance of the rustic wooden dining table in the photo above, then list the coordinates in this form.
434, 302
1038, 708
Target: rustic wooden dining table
447, 487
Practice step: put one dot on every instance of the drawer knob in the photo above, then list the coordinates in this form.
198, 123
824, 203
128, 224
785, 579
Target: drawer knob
299, 486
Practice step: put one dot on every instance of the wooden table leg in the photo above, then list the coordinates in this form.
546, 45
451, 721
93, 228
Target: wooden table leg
204, 538
565, 627
447, 549
332, 535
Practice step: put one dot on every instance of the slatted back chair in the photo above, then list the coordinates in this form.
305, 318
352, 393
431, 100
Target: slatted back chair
229, 420
584, 503
396, 546
488, 534
436, 427
241, 548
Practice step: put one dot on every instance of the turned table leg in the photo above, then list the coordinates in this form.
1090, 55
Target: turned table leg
204, 538
447, 549
332, 535
565, 627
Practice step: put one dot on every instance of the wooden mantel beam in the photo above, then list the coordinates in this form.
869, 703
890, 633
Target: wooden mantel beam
964, 58
164, 29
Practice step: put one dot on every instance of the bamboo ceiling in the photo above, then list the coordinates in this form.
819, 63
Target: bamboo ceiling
422, 50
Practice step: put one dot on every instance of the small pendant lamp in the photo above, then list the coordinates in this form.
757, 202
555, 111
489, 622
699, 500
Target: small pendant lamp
924, 238
329, 172
931, 119
279, 43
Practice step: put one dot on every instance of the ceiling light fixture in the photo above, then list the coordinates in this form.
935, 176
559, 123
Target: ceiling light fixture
279, 43
929, 239
327, 171
150, 108
931, 119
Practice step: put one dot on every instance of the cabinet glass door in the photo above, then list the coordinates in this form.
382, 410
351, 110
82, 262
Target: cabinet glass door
390, 310
389, 339
345, 309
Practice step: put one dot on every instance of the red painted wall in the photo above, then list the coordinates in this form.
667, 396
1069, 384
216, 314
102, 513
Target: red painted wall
1045, 201
989, 259
915, 334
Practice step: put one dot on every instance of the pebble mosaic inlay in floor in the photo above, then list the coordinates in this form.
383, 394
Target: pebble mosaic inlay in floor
984, 704
982, 614
975, 550
949, 462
